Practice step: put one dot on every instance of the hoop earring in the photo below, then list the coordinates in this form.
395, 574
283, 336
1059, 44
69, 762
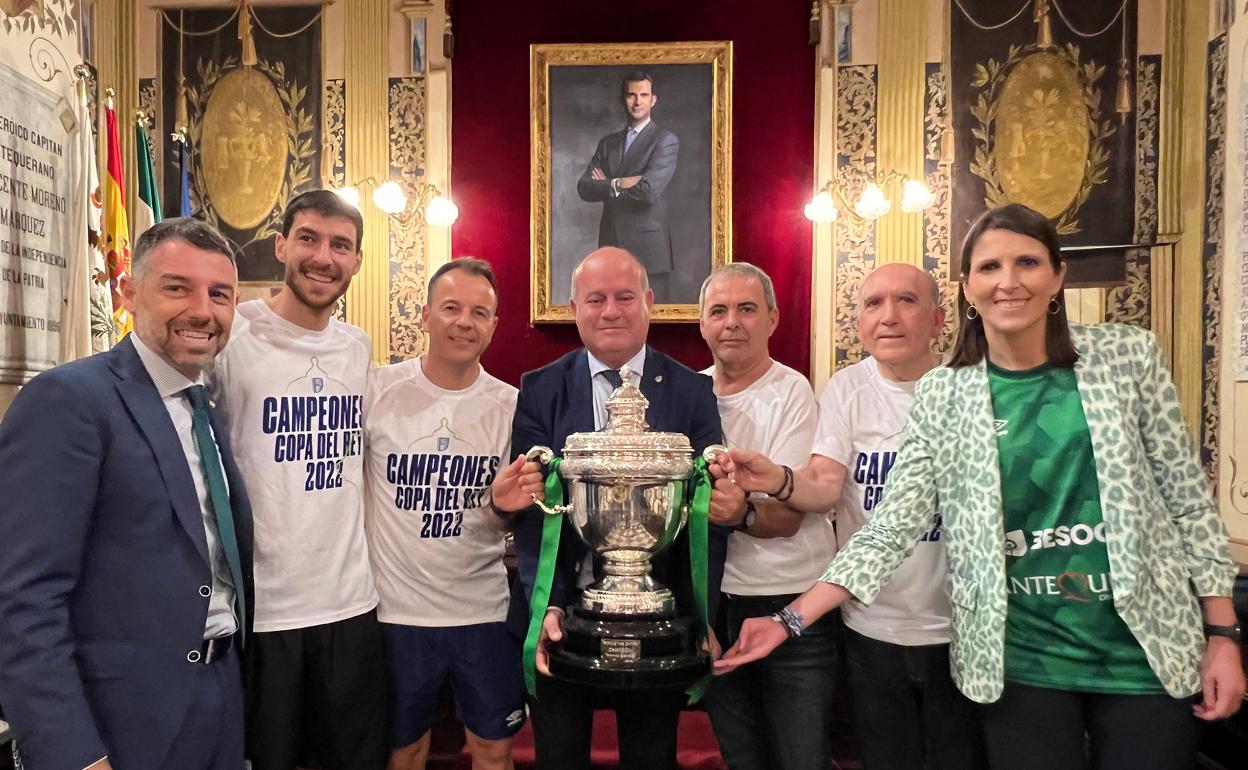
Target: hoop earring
1054, 306
971, 313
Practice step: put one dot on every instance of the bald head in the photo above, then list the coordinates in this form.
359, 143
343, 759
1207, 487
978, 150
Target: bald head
610, 255
901, 273
899, 316
611, 301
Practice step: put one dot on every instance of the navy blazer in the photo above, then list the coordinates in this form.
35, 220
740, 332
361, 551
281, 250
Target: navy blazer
102, 557
636, 219
556, 401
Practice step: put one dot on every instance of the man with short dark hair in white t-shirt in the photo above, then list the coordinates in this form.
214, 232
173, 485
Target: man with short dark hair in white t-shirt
437, 429
774, 713
906, 708
291, 385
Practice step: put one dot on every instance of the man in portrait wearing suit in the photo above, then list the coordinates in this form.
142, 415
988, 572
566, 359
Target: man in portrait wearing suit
611, 302
125, 535
628, 174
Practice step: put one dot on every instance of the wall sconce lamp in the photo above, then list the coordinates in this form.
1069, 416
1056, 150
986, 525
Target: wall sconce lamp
872, 203
389, 197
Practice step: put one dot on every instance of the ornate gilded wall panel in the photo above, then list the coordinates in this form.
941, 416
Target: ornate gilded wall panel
334, 150
855, 165
936, 246
407, 231
335, 133
1211, 350
149, 102
1132, 302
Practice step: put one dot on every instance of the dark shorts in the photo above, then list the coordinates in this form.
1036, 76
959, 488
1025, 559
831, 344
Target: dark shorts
483, 664
318, 697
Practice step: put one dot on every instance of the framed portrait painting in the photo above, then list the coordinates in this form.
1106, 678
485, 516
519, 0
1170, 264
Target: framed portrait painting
631, 147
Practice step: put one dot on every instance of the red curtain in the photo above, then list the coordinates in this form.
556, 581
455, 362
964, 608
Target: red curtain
772, 152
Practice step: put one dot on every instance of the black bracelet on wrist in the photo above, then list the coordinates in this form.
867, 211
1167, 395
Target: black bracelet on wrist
788, 485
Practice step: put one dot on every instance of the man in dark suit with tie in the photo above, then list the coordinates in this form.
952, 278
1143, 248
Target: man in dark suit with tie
125, 535
611, 302
628, 174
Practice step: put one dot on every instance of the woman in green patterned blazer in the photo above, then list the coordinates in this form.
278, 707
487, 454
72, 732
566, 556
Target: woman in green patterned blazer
1082, 539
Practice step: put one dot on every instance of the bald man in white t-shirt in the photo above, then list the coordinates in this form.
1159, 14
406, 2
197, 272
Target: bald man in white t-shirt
775, 713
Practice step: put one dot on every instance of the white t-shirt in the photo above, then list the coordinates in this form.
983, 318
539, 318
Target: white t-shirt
862, 424
292, 399
437, 546
776, 416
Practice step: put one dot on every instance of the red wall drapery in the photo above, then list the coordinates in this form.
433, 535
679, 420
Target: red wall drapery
772, 151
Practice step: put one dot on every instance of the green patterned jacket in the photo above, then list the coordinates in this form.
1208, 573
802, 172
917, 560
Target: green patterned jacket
1166, 544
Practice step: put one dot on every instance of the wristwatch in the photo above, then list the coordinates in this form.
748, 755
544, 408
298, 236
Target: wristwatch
1232, 632
751, 516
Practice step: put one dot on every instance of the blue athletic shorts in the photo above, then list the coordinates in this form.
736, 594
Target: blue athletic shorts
483, 664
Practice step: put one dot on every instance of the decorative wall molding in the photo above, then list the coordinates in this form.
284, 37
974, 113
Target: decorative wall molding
1133, 302
936, 246
855, 165
1215, 165
407, 231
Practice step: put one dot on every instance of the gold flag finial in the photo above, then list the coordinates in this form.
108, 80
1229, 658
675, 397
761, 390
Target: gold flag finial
1044, 28
245, 34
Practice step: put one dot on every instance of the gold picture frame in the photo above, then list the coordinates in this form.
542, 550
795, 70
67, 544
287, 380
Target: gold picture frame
576, 96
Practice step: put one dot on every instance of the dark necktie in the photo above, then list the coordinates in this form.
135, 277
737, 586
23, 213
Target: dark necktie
612, 376
214, 475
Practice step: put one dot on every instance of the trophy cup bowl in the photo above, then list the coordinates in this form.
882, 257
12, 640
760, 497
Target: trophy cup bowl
628, 489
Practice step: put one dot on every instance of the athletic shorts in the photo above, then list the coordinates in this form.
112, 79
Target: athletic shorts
318, 697
482, 662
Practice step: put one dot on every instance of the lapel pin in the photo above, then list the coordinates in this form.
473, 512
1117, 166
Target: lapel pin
658, 378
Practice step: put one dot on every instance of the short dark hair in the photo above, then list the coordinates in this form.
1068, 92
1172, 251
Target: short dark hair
972, 345
470, 265
199, 234
636, 76
327, 203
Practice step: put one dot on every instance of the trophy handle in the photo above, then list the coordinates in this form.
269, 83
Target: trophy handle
543, 455
709, 453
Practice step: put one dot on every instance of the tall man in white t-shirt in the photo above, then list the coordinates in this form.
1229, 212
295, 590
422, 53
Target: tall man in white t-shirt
774, 713
437, 428
291, 383
907, 710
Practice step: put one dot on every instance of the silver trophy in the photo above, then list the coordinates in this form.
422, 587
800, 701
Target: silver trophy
628, 502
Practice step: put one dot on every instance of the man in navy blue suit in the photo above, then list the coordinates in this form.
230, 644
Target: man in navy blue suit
611, 299
125, 535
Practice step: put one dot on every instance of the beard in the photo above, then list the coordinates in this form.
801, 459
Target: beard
314, 304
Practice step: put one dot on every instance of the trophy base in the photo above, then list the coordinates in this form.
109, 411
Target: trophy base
629, 654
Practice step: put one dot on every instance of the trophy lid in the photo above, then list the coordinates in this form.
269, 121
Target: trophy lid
627, 443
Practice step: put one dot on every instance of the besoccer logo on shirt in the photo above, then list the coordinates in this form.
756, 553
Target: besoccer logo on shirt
1015, 543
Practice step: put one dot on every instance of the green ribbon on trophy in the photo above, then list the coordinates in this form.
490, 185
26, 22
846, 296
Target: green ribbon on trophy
698, 529
552, 526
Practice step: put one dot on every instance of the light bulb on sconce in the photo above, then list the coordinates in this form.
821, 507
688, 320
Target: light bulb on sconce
390, 198
350, 195
873, 202
822, 208
916, 196
441, 210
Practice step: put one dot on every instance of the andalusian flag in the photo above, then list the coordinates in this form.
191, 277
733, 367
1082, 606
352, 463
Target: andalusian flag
147, 209
116, 225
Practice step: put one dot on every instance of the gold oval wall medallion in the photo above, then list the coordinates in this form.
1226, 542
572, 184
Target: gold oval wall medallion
244, 147
1042, 134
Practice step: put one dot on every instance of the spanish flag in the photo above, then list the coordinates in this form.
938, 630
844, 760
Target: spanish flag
116, 226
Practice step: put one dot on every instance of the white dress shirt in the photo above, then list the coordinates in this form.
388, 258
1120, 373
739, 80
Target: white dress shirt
171, 383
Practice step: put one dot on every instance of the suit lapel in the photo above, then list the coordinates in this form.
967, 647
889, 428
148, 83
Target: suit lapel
580, 413
654, 379
640, 146
143, 402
